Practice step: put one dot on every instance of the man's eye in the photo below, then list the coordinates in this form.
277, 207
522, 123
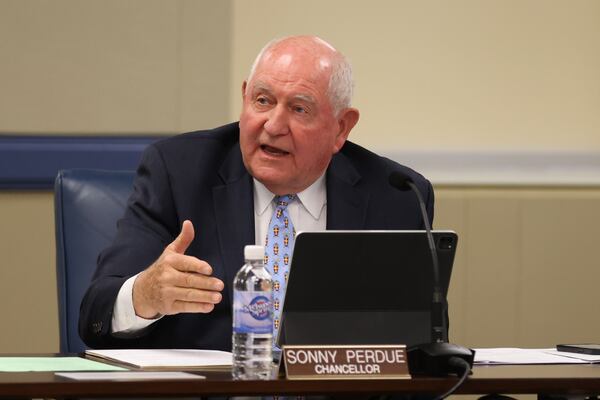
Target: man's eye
262, 100
300, 110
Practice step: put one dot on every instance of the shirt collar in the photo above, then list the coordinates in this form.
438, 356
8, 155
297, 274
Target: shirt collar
262, 197
313, 198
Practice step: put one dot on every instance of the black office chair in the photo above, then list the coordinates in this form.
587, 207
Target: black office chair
87, 205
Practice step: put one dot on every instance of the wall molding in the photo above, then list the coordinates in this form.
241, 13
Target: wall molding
32, 162
481, 168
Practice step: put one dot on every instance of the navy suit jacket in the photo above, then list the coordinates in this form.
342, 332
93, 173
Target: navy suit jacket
200, 176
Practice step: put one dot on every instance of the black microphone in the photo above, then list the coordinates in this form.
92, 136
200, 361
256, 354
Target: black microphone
403, 182
438, 357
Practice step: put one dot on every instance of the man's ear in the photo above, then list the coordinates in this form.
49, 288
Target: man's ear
244, 90
346, 121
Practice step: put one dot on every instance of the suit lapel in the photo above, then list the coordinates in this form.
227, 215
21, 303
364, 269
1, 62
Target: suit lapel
346, 203
234, 213
234, 206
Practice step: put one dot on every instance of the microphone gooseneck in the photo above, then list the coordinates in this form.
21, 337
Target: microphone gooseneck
439, 357
403, 182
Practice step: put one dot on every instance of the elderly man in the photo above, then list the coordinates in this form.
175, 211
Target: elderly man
198, 198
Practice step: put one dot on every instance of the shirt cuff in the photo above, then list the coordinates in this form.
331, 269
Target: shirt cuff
124, 319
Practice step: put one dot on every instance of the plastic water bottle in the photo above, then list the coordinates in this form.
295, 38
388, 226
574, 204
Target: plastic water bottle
252, 318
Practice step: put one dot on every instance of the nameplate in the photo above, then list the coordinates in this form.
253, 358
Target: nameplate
345, 362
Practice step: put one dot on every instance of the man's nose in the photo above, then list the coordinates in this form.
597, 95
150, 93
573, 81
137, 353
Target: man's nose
277, 121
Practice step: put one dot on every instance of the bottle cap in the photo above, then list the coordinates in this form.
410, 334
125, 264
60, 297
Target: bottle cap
254, 252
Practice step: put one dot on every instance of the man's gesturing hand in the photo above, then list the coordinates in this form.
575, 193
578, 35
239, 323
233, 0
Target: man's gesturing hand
176, 283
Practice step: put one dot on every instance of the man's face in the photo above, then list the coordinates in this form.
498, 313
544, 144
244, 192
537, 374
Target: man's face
288, 131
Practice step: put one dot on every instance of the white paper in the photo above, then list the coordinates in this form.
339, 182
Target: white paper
166, 358
128, 376
508, 355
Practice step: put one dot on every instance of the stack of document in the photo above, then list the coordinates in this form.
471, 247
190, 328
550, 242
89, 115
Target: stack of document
184, 359
165, 360
130, 376
508, 356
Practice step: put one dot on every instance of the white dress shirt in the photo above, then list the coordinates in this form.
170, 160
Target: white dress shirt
308, 213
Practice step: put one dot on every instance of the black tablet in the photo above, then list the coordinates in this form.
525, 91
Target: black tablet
363, 287
588, 348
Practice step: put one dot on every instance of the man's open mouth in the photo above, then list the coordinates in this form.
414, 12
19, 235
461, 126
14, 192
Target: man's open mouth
273, 150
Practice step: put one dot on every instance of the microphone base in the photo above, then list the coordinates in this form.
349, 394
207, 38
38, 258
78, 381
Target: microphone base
432, 359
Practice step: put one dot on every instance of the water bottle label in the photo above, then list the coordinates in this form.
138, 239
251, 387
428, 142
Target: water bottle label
252, 312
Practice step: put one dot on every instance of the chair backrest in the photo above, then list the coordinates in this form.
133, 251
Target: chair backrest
87, 205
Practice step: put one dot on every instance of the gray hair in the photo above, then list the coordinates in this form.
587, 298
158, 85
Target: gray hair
341, 84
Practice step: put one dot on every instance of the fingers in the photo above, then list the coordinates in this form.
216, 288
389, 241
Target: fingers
171, 299
177, 300
190, 295
171, 291
176, 282
185, 263
183, 241
175, 278
188, 273
196, 281
185, 307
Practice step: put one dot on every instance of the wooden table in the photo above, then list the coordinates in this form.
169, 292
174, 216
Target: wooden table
531, 379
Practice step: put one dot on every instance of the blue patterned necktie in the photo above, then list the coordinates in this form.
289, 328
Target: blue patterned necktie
278, 253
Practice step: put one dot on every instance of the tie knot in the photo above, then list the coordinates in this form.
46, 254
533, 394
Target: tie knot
283, 201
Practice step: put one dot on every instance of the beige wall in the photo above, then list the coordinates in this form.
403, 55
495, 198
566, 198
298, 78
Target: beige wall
466, 76
113, 66
27, 274
526, 271
451, 75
